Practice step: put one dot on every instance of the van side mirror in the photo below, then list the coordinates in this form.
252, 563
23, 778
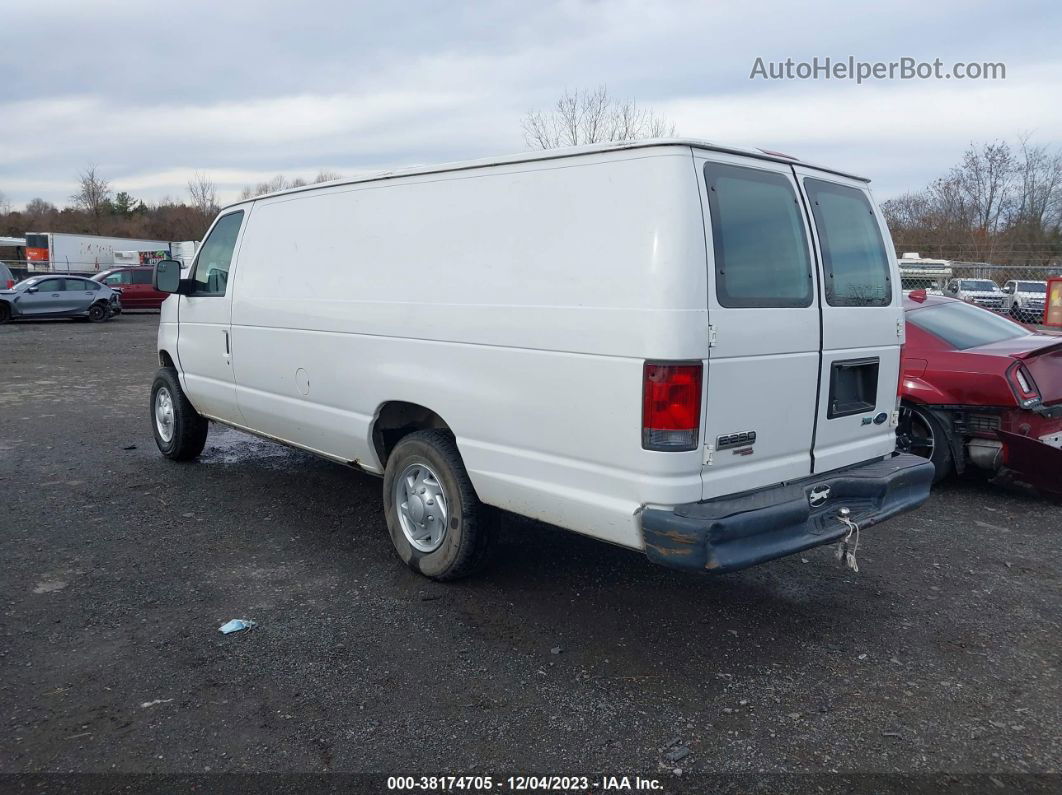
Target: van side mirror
167, 276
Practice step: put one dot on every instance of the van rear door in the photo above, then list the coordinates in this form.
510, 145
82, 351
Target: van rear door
763, 359
862, 321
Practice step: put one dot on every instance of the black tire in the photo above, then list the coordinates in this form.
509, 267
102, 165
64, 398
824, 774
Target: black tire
921, 433
189, 428
97, 313
5, 312
466, 542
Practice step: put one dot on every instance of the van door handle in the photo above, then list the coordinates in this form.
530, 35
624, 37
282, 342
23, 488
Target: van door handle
226, 333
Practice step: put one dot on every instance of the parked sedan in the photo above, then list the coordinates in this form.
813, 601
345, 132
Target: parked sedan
980, 390
135, 285
57, 296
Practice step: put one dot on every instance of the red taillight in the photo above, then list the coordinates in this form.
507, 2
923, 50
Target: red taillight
1023, 386
671, 406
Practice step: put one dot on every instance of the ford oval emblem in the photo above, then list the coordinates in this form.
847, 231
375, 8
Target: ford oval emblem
880, 419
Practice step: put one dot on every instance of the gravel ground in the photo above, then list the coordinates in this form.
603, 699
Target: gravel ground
567, 657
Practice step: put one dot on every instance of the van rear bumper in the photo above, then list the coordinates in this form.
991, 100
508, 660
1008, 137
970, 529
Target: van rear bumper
731, 533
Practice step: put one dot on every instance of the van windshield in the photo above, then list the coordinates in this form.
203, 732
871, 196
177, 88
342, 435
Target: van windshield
963, 326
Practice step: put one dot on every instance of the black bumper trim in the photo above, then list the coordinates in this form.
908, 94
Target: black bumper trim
731, 533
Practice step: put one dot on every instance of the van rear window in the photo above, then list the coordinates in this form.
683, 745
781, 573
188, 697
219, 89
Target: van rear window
853, 253
761, 247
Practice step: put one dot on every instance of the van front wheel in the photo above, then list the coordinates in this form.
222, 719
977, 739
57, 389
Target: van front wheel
437, 524
180, 431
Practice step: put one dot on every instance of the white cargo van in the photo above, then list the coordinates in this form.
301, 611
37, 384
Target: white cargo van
678, 348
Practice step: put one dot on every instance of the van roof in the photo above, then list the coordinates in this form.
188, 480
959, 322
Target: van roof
555, 154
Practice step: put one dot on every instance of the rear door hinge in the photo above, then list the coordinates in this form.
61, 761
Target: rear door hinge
712, 336
709, 453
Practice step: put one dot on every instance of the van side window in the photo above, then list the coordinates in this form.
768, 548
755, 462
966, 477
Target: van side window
215, 256
761, 247
853, 254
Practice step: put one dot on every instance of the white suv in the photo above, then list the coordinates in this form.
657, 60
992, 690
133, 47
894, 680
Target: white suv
1024, 300
983, 292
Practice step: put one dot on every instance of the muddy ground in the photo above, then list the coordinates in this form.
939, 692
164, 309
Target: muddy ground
567, 657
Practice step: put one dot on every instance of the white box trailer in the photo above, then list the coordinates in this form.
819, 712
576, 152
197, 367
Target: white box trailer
184, 252
60, 251
922, 273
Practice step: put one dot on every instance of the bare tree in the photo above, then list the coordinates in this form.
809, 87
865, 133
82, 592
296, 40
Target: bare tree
1000, 204
592, 116
1039, 201
326, 176
93, 195
204, 193
986, 181
37, 209
279, 182
5, 205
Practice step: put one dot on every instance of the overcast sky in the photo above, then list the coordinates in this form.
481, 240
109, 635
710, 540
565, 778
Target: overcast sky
246, 90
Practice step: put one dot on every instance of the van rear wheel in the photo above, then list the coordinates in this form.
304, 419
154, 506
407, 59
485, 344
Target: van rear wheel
180, 431
437, 524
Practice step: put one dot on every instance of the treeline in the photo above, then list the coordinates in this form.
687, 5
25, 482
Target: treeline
1001, 204
97, 209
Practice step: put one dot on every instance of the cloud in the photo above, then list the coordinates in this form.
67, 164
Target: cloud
879, 130
244, 93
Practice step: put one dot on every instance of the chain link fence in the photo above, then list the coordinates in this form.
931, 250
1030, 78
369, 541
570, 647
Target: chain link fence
1018, 291
22, 269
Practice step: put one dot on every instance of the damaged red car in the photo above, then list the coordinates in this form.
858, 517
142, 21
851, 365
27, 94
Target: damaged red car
979, 390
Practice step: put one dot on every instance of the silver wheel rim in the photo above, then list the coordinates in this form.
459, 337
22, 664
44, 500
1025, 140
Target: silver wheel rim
914, 434
164, 419
422, 507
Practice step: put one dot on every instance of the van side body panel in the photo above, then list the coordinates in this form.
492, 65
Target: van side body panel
517, 302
